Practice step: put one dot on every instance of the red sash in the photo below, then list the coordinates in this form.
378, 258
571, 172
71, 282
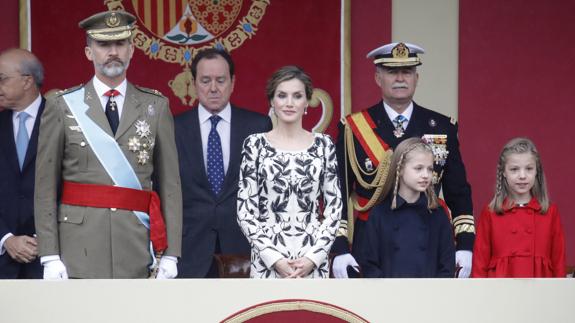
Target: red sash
362, 126
105, 196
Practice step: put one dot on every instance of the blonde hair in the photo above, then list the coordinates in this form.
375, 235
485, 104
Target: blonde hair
539, 189
400, 156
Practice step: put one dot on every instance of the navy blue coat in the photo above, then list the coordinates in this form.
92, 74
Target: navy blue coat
210, 220
408, 242
17, 195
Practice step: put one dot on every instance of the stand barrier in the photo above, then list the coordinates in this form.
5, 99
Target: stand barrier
372, 300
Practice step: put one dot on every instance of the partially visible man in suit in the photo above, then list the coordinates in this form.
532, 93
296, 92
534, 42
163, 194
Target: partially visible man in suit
209, 140
21, 76
103, 144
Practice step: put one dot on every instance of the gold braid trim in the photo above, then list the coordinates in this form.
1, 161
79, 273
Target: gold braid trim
377, 183
342, 230
464, 223
380, 173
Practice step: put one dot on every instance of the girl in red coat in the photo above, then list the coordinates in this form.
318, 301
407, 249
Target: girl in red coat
519, 232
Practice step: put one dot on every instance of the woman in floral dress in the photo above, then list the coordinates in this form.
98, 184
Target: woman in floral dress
283, 176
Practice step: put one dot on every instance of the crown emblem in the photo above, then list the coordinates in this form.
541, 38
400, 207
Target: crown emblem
112, 20
400, 51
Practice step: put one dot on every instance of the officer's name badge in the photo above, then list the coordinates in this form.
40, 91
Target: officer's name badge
438, 143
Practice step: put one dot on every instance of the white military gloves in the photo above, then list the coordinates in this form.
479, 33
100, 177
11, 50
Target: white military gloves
54, 270
167, 269
463, 259
340, 264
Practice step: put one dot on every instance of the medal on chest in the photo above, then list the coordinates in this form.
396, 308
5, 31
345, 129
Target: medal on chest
143, 143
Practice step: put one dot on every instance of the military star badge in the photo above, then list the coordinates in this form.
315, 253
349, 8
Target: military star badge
143, 157
134, 144
143, 128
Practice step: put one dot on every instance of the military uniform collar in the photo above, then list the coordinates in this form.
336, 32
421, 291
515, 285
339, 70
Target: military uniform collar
102, 88
392, 114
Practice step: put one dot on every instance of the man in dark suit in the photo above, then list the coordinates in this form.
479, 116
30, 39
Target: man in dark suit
21, 76
366, 144
209, 140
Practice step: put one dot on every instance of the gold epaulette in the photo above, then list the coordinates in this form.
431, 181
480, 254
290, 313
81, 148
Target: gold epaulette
150, 91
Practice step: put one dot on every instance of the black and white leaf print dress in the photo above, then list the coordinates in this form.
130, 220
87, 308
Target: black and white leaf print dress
279, 203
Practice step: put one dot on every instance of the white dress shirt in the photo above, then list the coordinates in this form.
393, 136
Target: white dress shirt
102, 88
223, 128
392, 114
32, 111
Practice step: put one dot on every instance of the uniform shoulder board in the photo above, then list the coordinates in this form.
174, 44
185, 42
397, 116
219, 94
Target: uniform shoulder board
453, 121
66, 91
151, 91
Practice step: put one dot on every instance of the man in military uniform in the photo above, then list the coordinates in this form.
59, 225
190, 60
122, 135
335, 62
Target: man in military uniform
366, 142
101, 146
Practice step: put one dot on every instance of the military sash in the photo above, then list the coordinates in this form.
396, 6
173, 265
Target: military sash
106, 149
362, 126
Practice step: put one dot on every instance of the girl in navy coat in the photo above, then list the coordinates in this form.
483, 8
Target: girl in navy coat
408, 234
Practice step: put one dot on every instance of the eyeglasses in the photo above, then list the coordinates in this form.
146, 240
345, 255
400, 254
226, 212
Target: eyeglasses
5, 78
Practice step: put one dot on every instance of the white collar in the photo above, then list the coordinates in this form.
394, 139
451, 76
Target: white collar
392, 114
32, 109
102, 88
225, 114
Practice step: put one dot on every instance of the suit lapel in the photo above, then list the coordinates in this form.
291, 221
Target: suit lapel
193, 149
415, 126
95, 109
7, 145
384, 125
129, 111
33, 144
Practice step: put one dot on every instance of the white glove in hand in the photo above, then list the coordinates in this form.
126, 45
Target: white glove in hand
55, 270
167, 269
463, 259
340, 264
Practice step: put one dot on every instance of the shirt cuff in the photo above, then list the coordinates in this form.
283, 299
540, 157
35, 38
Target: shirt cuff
45, 259
4, 238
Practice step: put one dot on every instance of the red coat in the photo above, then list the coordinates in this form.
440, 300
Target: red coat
519, 243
